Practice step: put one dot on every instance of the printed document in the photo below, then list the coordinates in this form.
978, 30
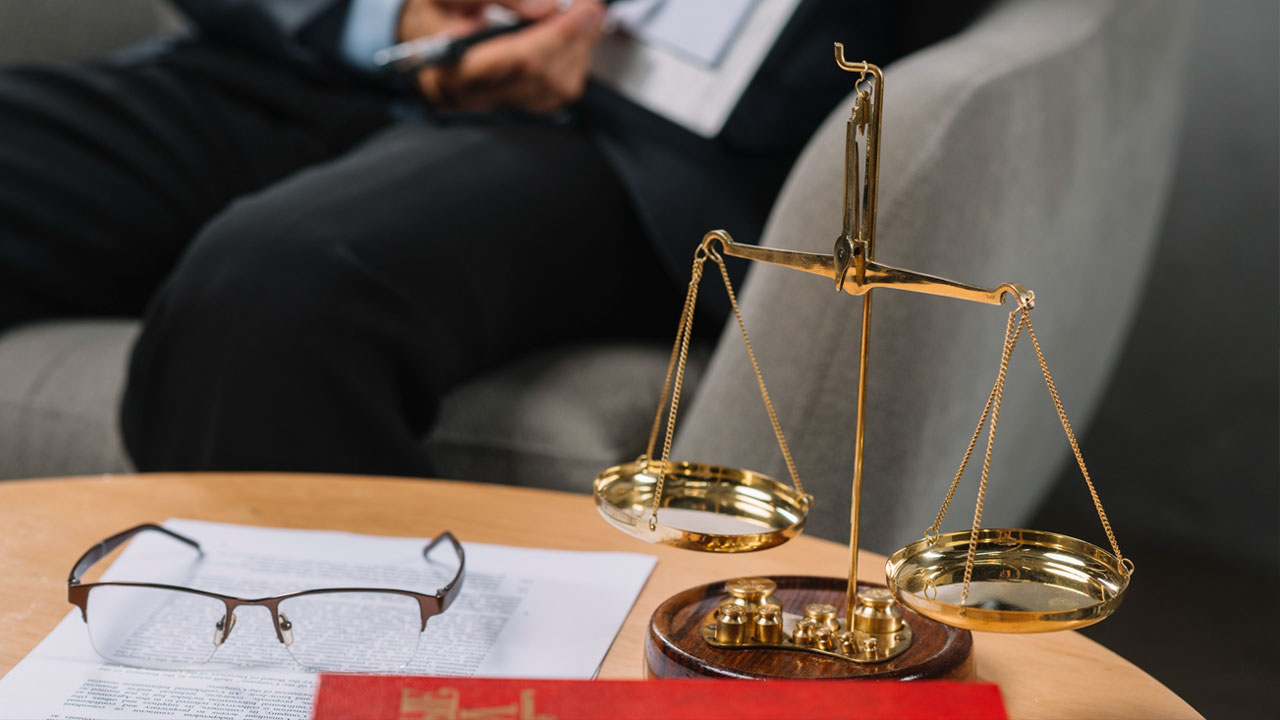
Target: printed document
689, 60
699, 30
522, 612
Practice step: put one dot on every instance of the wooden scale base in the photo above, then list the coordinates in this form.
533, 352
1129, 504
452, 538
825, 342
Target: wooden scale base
674, 647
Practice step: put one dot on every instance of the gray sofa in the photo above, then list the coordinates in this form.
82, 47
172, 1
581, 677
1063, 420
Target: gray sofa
1035, 147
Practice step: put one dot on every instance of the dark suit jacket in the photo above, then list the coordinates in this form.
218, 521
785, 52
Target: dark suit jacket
681, 184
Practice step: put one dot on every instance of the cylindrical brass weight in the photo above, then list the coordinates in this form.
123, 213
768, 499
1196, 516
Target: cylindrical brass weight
877, 613
847, 643
824, 615
823, 638
731, 624
804, 633
750, 592
768, 624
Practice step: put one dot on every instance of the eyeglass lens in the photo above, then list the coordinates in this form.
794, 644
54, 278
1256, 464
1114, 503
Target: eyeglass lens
153, 627
351, 631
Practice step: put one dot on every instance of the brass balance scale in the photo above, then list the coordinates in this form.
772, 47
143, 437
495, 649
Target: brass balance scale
937, 590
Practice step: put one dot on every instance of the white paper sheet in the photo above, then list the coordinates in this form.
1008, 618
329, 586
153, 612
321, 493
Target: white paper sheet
522, 613
689, 60
697, 29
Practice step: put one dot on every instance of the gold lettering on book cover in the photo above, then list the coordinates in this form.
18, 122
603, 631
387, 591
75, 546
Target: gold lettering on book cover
446, 704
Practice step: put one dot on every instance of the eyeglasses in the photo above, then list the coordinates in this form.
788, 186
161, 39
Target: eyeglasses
331, 629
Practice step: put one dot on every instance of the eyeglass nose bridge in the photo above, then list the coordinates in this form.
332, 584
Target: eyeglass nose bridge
283, 626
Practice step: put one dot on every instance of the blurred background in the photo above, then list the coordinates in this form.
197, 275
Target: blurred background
1184, 446
1185, 443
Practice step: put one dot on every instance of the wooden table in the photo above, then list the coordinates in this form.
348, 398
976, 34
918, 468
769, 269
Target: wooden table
48, 523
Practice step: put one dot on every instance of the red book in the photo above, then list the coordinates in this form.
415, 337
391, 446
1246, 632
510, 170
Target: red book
363, 697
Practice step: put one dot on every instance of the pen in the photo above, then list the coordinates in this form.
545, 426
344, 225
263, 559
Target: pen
416, 54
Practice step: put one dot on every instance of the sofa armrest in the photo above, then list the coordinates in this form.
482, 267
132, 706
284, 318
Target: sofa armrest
52, 30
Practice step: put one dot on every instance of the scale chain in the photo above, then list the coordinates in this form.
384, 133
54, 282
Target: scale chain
991, 411
1126, 563
690, 300
682, 342
755, 367
1011, 334
678, 362
932, 533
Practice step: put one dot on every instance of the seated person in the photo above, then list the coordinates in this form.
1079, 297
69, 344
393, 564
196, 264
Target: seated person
321, 250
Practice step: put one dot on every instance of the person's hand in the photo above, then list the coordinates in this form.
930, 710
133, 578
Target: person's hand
539, 69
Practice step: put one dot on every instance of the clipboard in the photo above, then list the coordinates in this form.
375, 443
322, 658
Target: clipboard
695, 87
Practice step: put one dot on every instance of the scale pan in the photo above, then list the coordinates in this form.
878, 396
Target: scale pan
1023, 581
704, 507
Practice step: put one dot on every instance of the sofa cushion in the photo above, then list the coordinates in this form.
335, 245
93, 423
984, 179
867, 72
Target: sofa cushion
557, 418
554, 419
60, 385
53, 30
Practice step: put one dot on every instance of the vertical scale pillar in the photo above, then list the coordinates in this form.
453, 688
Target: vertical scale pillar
856, 248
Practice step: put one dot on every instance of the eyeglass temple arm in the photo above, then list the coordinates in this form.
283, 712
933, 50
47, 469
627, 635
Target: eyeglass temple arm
104, 548
447, 593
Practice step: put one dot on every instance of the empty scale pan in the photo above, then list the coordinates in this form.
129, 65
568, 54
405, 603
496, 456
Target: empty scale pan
703, 507
1022, 581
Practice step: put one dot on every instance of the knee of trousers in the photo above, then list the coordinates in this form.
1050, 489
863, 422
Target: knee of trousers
272, 337
256, 299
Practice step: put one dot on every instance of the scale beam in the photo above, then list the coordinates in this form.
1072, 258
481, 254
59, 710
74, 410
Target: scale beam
874, 275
